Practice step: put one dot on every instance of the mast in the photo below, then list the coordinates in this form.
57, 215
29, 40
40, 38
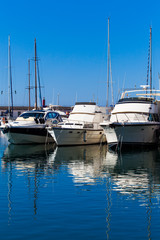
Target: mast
35, 74
149, 67
108, 69
29, 87
150, 59
9, 74
10, 92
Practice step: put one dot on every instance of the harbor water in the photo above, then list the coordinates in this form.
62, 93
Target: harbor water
82, 192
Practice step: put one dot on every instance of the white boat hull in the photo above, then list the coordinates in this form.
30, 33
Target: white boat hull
72, 136
132, 134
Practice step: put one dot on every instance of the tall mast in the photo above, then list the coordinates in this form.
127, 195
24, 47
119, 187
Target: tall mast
150, 59
108, 68
35, 74
9, 74
10, 92
29, 87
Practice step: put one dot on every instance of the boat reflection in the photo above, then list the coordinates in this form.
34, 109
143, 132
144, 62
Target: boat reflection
136, 175
133, 174
135, 171
84, 162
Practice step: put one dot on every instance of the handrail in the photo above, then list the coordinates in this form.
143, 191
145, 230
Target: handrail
82, 123
146, 92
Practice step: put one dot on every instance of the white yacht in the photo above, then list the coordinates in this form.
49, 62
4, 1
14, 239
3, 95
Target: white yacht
30, 127
82, 127
135, 119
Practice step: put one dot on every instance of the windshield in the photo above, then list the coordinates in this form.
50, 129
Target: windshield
32, 114
52, 115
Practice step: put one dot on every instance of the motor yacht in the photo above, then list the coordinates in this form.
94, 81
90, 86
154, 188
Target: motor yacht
135, 119
30, 127
81, 128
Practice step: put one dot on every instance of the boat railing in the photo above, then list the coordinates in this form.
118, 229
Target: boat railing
80, 124
143, 93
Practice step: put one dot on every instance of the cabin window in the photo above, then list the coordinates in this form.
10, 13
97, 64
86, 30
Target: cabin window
49, 115
153, 118
88, 125
54, 115
32, 114
156, 117
150, 118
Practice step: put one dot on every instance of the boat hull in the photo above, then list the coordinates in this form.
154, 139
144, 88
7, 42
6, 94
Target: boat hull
132, 134
64, 136
27, 135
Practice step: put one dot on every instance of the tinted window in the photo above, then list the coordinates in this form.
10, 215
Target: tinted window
49, 115
54, 115
32, 114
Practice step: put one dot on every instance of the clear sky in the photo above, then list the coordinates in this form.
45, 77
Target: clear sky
72, 47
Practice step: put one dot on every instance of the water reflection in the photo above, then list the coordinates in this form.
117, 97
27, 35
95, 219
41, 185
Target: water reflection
134, 175
32, 160
84, 162
135, 172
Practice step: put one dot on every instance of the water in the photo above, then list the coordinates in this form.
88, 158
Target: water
78, 193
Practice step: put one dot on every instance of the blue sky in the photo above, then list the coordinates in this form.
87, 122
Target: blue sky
72, 47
